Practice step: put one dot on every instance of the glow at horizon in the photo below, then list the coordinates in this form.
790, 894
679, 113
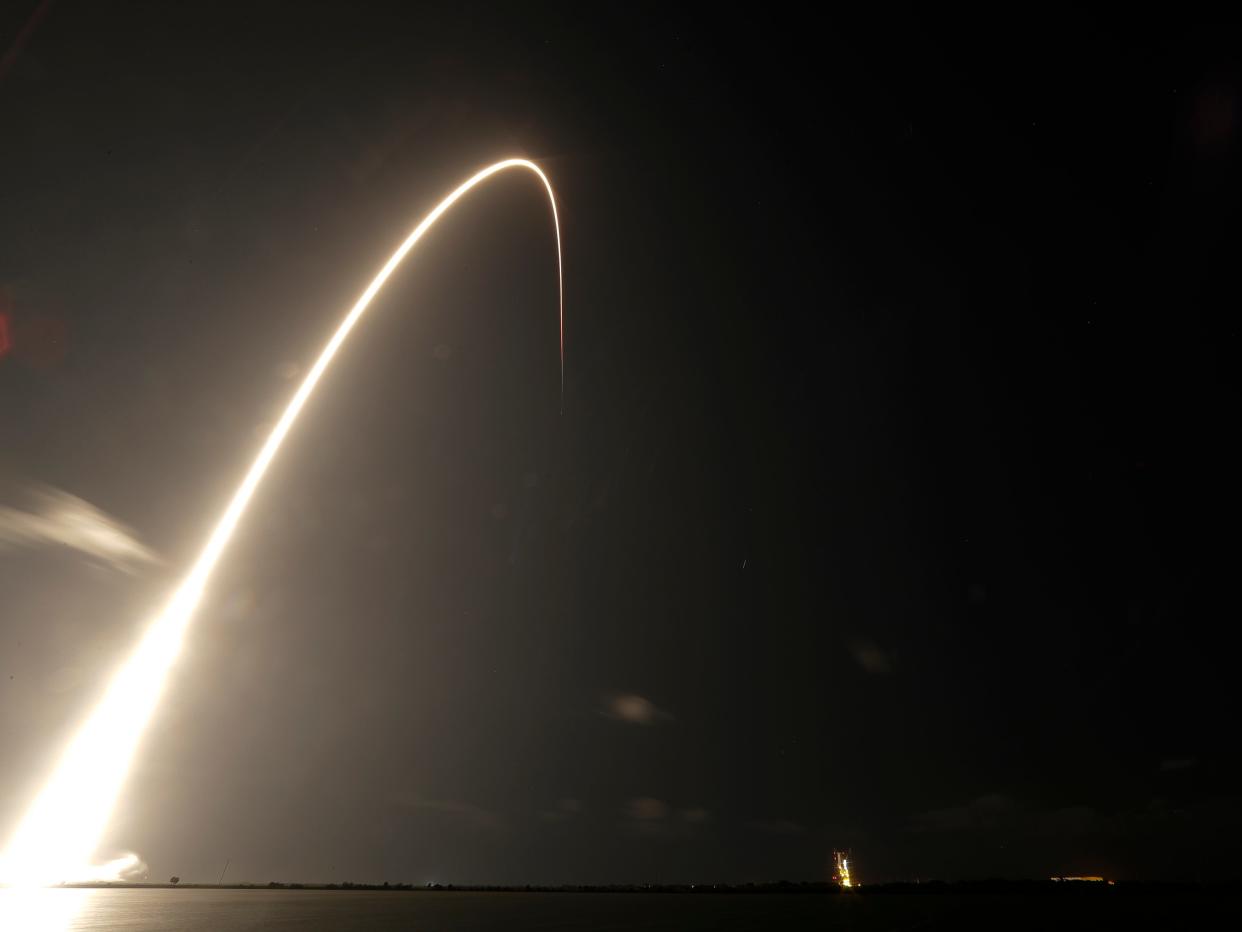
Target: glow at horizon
59, 833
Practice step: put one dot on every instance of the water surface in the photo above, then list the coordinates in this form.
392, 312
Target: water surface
192, 910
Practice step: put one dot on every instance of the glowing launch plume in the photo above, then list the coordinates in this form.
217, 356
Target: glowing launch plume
844, 877
59, 833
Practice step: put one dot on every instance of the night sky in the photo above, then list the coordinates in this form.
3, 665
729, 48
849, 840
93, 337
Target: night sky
891, 503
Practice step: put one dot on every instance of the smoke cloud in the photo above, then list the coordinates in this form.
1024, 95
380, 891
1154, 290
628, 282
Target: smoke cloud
54, 518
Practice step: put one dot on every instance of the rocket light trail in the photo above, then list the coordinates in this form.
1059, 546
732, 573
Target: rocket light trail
58, 835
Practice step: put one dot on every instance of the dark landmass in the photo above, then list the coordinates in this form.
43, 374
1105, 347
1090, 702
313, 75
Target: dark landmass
976, 906
922, 888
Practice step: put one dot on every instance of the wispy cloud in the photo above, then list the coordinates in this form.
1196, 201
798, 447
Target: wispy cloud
986, 812
563, 811
468, 814
632, 709
871, 658
646, 809
777, 827
997, 812
654, 818
1170, 764
54, 518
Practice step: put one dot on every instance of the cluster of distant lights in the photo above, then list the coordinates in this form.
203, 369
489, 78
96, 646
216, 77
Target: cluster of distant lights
1087, 879
843, 871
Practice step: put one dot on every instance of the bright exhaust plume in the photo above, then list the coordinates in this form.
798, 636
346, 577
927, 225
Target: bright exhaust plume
58, 835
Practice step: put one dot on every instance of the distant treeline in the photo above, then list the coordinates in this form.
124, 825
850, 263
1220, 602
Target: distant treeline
922, 888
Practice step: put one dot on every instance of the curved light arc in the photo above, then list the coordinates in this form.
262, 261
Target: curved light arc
59, 833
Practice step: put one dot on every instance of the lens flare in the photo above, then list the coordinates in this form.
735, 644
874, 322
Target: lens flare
58, 835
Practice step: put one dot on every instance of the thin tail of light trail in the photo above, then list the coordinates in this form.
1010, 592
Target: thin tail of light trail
59, 833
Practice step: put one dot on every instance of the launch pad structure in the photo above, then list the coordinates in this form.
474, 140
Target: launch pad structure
842, 875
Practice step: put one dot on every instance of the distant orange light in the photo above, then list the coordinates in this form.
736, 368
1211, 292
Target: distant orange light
1088, 879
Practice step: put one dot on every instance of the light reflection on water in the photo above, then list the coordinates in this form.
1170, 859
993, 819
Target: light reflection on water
39, 909
213, 910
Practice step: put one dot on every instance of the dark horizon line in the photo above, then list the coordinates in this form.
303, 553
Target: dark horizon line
986, 885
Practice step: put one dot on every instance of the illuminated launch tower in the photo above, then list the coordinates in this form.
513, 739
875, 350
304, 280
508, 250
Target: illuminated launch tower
842, 875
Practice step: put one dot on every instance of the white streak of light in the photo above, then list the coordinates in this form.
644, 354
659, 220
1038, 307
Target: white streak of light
60, 831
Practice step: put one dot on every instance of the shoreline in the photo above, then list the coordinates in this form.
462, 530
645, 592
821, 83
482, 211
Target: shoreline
921, 888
